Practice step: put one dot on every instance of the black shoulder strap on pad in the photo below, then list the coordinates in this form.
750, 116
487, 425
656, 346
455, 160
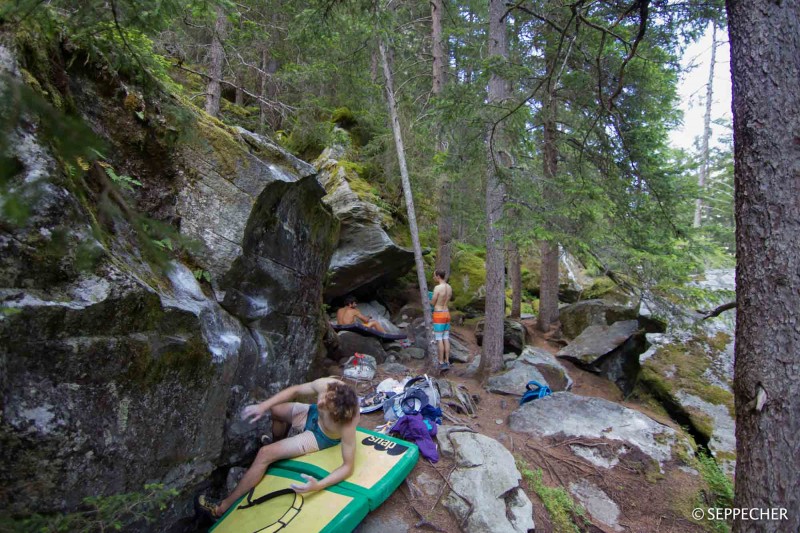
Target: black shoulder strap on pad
264, 498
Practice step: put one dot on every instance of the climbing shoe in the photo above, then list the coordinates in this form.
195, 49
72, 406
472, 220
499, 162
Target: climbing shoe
207, 506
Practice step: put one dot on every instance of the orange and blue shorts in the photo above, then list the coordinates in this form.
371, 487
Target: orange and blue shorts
441, 325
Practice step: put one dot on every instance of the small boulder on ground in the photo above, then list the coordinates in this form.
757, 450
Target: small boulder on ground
485, 493
351, 342
597, 503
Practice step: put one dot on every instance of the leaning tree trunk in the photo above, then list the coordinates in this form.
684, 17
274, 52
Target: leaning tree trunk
704, 155
216, 64
443, 253
496, 152
548, 282
412, 217
765, 60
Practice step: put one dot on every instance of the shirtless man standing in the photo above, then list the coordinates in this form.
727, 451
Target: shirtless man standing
349, 313
442, 294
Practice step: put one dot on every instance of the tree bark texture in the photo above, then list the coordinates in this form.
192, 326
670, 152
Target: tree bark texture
216, 64
499, 91
765, 61
548, 282
409, 197
515, 275
269, 90
704, 155
445, 222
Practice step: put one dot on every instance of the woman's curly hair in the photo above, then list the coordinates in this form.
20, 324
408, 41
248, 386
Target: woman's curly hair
341, 401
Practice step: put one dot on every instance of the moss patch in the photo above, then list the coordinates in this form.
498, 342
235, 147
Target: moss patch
467, 276
566, 516
687, 364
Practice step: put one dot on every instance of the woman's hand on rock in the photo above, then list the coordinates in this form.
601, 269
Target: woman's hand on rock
252, 413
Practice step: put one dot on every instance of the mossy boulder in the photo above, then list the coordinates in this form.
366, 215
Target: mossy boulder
691, 374
468, 278
577, 317
365, 256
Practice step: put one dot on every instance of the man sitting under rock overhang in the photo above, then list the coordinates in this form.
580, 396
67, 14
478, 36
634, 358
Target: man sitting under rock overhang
349, 313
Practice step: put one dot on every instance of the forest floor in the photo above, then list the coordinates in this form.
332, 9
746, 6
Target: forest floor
650, 500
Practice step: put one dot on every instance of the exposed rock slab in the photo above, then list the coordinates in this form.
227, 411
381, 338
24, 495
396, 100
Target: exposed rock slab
570, 415
691, 374
485, 494
597, 503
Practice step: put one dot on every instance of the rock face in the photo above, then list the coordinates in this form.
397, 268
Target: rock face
612, 351
554, 372
689, 369
578, 316
365, 256
691, 374
570, 415
118, 367
513, 335
485, 494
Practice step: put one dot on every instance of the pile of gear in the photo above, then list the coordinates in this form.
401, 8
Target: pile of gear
411, 409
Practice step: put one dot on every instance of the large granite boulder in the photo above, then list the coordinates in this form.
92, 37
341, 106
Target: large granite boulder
514, 335
119, 367
222, 176
577, 317
484, 494
568, 415
365, 256
691, 375
612, 351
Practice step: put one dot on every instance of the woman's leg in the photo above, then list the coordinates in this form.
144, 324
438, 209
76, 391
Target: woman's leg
281, 420
295, 446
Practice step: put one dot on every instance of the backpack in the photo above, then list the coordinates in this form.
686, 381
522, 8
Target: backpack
533, 391
419, 387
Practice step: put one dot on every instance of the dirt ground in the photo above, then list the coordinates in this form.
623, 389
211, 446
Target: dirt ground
650, 499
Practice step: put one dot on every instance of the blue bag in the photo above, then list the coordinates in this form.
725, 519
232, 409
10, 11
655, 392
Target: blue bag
533, 391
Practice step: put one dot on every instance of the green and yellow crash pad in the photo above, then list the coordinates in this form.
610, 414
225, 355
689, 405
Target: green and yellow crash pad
382, 463
331, 510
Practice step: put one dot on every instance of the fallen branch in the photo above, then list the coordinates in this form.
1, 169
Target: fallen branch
718, 311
